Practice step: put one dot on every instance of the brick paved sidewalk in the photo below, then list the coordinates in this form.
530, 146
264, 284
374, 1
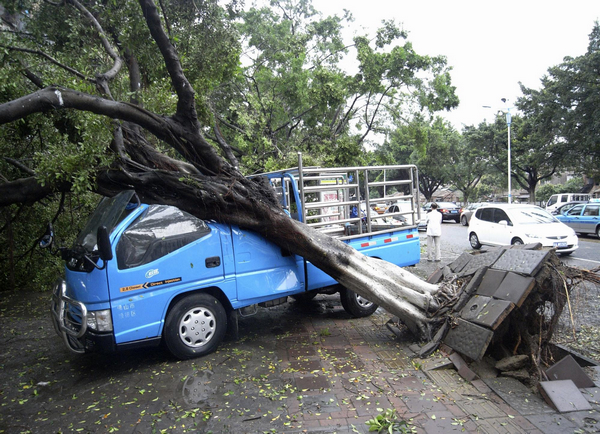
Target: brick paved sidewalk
329, 373
336, 373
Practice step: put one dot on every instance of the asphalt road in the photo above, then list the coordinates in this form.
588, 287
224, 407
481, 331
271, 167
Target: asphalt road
455, 241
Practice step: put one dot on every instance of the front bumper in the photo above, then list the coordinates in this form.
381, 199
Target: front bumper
69, 318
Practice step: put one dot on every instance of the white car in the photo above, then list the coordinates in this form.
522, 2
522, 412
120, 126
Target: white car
503, 224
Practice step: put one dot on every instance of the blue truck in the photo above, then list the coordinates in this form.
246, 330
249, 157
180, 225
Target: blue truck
140, 274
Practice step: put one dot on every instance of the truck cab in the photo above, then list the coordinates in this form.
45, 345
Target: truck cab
139, 274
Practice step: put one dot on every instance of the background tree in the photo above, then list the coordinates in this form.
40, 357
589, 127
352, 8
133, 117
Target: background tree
467, 162
293, 96
426, 144
536, 153
567, 105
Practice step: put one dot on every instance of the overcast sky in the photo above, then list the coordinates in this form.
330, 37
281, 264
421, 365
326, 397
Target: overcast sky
491, 46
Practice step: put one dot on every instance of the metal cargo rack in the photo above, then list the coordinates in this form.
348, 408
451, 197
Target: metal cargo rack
338, 201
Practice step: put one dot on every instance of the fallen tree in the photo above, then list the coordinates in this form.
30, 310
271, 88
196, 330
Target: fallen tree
201, 180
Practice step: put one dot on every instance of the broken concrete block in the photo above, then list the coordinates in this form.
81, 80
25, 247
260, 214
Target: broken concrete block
563, 395
470, 289
494, 313
568, 369
521, 375
486, 311
459, 263
527, 262
462, 367
474, 307
436, 276
491, 282
515, 288
469, 339
486, 259
432, 364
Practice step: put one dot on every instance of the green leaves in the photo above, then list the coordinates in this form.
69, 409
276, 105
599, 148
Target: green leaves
388, 421
565, 108
295, 96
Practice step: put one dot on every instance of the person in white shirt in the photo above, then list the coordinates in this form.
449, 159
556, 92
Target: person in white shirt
434, 232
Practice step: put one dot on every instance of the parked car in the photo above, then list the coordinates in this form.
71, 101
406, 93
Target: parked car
449, 210
402, 206
583, 218
503, 224
402, 210
466, 213
567, 206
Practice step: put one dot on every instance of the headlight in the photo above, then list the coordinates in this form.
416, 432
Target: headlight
100, 320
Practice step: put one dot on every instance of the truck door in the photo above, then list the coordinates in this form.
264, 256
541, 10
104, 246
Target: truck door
263, 270
163, 252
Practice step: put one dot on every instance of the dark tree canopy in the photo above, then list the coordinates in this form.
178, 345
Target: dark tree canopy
566, 107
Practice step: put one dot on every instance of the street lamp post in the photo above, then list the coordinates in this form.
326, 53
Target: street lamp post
508, 122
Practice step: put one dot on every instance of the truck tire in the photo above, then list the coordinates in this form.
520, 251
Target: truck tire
356, 305
195, 326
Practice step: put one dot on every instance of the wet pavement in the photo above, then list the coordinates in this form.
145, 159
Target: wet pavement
302, 367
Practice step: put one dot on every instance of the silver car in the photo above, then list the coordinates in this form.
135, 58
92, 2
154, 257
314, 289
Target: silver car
466, 213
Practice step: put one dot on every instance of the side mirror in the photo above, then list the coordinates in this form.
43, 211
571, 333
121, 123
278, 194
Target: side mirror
503, 223
104, 247
48, 237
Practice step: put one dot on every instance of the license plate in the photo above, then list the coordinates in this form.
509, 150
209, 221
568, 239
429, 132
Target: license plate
560, 244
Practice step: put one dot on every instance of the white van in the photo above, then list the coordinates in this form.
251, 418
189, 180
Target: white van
557, 200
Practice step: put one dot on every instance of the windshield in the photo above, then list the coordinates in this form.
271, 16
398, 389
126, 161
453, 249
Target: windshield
110, 212
532, 215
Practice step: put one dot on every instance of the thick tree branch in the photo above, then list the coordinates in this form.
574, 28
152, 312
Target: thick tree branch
112, 52
186, 108
225, 147
19, 165
191, 145
28, 191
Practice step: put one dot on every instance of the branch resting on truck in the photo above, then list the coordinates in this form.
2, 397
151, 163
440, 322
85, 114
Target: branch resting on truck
141, 274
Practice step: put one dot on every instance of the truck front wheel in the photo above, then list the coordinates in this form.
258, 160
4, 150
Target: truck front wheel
356, 305
195, 326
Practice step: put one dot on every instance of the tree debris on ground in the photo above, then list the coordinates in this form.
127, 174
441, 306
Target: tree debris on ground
504, 302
